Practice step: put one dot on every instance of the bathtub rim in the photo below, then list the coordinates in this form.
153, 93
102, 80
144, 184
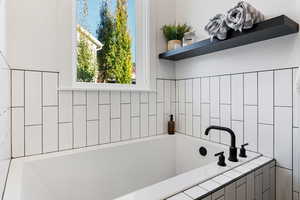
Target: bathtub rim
13, 190
13, 186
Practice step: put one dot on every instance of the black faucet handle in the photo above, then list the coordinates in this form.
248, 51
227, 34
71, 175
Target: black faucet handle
243, 145
243, 151
221, 161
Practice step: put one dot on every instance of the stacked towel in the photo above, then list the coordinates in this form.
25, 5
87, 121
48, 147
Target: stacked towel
217, 27
243, 16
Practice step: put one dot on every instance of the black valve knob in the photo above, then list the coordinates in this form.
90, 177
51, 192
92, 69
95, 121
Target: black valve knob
243, 151
221, 161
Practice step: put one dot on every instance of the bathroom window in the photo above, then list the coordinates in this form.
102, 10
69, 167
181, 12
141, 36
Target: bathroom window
110, 44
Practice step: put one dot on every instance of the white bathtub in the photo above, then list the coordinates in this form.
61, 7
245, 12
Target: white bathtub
152, 168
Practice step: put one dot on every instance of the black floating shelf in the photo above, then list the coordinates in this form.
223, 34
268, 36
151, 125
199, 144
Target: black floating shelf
272, 28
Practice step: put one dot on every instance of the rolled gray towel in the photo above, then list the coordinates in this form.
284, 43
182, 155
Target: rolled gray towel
243, 16
217, 27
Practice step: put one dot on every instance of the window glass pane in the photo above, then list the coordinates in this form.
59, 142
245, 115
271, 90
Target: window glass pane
106, 41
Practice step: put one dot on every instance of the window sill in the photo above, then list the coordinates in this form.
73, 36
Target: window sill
107, 89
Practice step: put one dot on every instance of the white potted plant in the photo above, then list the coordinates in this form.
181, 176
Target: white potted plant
174, 34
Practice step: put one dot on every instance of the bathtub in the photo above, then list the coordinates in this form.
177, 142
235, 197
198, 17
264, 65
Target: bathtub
151, 168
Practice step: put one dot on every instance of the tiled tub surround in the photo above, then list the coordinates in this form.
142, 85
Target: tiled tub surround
171, 163
5, 145
46, 120
259, 106
253, 180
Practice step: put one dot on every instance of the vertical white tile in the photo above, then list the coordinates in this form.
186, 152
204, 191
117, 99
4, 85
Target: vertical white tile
160, 118
265, 97
238, 129
215, 134
173, 90
237, 97
283, 135
17, 88
125, 121
79, 97
215, 97
65, 136
225, 120
144, 120
92, 105
196, 126
152, 103
181, 125
167, 97
33, 98
205, 119
79, 126
144, 97
296, 159
50, 86
205, 90
152, 125
50, 129
135, 104
160, 90
17, 131
283, 87
225, 89
295, 99
104, 97
251, 127
135, 127
92, 133
189, 90
265, 140
33, 140
115, 105
125, 97
250, 81
182, 108
283, 183
104, 113
189, 119
173, 108
115, 130
65, 106
196, 97
181, 91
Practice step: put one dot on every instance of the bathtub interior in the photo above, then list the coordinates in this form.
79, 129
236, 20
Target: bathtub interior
115, 170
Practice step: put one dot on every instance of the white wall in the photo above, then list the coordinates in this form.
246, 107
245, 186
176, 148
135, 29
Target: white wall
267, 55
276, 53
4, 102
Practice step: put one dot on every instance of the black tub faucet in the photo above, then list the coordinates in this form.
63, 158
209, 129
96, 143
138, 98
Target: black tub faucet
232, 149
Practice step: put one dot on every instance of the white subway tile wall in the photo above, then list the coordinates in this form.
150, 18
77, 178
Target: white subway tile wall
46, 120
259, 106
5, 121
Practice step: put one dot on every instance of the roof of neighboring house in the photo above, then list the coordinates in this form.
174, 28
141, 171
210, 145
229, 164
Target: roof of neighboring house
89, 36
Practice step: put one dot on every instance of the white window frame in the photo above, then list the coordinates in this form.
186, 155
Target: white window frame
142, 54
